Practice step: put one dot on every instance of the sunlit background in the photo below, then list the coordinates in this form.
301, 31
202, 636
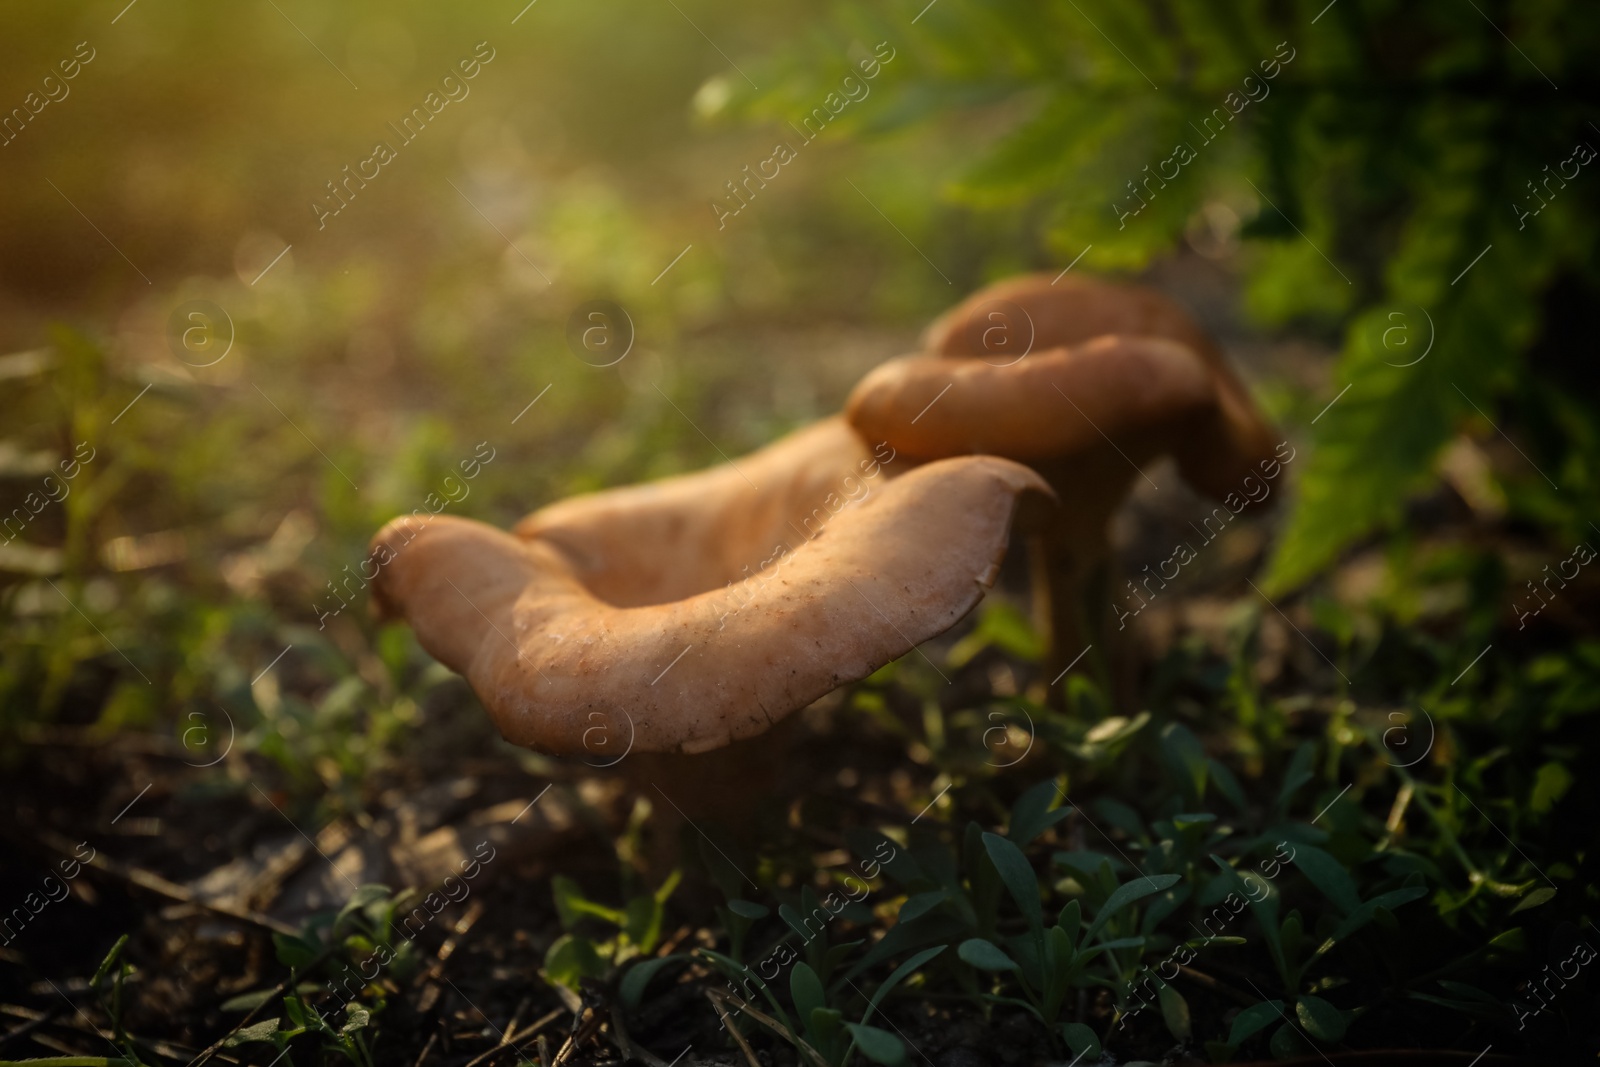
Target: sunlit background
1386, 211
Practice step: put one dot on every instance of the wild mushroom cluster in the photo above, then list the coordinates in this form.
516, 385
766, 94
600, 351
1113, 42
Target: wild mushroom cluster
702, 609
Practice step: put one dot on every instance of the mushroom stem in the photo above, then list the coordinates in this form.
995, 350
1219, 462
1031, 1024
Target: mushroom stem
1073, 567
1074, 609
1072, 632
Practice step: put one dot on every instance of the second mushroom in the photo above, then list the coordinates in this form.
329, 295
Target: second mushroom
1086, 381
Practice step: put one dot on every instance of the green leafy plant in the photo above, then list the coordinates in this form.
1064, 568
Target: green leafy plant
1050, 961
822, 971
817, 1029
360, 952
1294, 955
348, 1041
737, 916
635, 929
1394, 195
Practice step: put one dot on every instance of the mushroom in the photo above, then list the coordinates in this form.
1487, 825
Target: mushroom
552, 659
1086, 381
669, 539
713, 529
1081, 308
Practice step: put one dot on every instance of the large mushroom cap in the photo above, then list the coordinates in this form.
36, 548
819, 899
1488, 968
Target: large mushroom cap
665, 540
553, 662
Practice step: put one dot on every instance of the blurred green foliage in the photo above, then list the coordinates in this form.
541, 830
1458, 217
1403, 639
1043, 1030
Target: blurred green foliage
1367, 152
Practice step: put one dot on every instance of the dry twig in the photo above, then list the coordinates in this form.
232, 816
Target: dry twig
727, 1024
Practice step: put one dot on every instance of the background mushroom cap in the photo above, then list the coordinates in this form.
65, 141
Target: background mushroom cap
1076, 308
1052, 403
554, 663
665, 540
1216, 443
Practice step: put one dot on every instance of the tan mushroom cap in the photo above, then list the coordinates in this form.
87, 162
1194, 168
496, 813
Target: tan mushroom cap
1215, 449
669, 539
1076, 308
553, 662
1050, 404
